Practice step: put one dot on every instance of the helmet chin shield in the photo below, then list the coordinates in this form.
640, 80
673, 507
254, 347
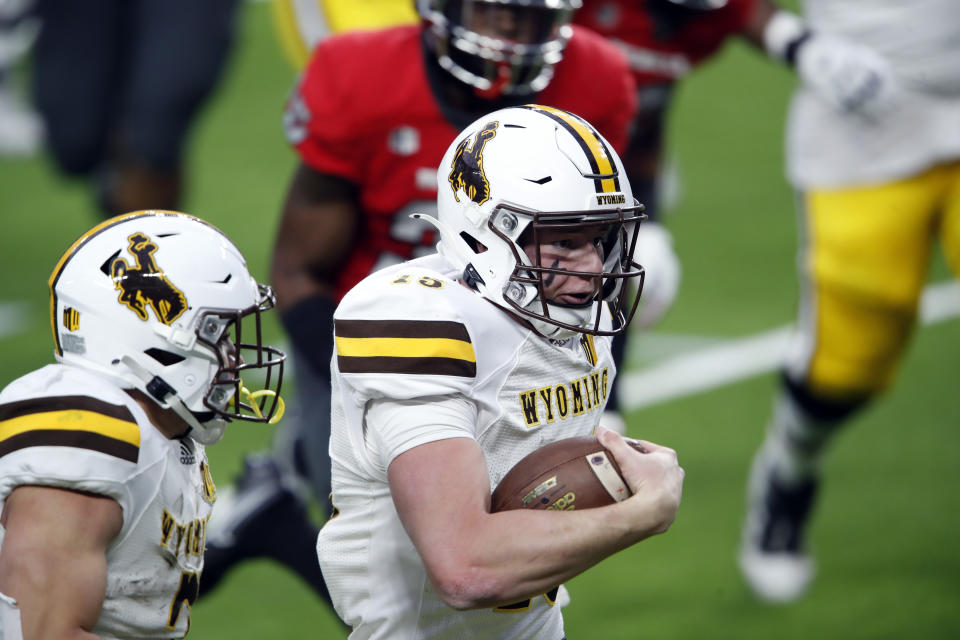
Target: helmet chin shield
499, 46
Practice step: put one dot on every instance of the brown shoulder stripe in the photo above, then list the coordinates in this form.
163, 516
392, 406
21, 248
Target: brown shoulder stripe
414, 366
63, 403
75, 439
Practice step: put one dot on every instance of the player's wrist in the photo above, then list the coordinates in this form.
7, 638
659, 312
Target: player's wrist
784, 35
309, 323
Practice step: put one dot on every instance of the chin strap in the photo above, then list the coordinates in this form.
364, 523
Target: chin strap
205, 433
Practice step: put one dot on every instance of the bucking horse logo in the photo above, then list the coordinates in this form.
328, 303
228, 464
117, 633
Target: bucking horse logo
467, 167
145, 284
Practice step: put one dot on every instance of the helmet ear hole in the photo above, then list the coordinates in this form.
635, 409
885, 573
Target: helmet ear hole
166, 358
475, 245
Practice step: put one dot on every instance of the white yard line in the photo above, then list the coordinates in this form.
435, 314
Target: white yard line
733, 360
692, 371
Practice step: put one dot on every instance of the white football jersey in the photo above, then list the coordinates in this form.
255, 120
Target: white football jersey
921, 40
63, 426
413, 334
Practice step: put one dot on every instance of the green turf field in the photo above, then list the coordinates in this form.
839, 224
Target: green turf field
887, 531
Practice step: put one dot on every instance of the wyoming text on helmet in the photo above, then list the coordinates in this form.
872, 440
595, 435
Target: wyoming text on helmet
163, 302
518, 173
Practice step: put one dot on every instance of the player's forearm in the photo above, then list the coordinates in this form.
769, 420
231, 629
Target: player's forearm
33, 590
520, 554
318, 226
304, 264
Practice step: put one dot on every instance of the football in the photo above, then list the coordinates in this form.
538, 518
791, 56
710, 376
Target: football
573, 473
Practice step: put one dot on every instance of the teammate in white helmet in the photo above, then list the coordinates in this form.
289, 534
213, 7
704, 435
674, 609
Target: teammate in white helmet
104, 484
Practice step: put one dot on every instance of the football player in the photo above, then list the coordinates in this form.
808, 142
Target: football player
119, 84
664, 41
104, 483
21, 130
433, 360
370, 118
877, 189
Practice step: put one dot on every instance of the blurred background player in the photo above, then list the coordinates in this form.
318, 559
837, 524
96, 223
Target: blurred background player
433, 359
119, 84
302, 24
664, 41
104, 482
369, 152
877, 186
21, 131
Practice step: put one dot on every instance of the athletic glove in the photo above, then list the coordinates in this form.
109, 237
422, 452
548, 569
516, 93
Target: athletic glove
850, 77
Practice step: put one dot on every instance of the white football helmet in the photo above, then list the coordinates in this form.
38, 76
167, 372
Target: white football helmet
522, 171
499, 46
150, 299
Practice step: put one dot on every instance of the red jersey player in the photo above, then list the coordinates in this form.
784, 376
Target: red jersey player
385, 134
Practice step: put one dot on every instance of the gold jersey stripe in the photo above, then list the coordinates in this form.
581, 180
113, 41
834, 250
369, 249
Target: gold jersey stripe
595, 149
406, 348
72, 420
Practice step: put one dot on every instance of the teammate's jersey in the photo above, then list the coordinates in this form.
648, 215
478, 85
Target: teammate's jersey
65, 427
921, 40
411, 332
662, 46
364, 110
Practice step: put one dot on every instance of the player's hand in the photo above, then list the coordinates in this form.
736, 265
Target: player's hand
850, 77
655, 252
654, 477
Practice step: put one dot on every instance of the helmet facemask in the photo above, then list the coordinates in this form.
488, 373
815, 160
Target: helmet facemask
525, 292
227, 396
502, 47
